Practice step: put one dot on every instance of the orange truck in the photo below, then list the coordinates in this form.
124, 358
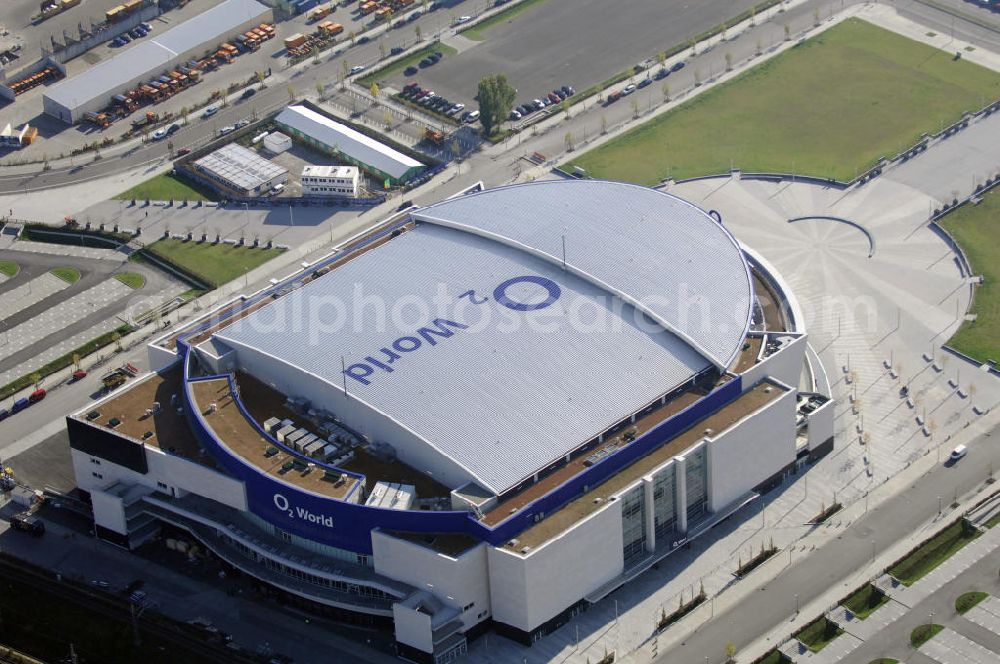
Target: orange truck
321, 12
294, 41
330, 29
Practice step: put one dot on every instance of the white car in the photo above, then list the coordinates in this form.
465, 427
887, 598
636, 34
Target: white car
462, 19
210, 111
160, 133
629, 89
241, 123
228, 129
470, 117
356, 68
958, 453
277, 189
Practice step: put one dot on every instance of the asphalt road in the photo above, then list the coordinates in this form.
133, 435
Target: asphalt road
839, 559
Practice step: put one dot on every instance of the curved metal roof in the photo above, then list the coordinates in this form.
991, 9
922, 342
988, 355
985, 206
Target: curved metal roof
657, 252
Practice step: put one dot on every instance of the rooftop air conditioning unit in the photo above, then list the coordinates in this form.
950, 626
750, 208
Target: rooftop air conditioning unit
513, 542
709, 432
525, 549
768, 389
598, 500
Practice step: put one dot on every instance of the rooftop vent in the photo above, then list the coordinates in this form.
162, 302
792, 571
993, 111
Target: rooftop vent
709, 432
525, 549
768, 389
513, 542
598, 500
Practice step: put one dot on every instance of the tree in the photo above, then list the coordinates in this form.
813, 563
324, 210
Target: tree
374, 90
184, 114
568, 140
816, 17
661, 57
117, 338
565, 106
319, 89
387, 118
353, 37
36, 378
170, 148
604, 124
496, 96
315, 55
418, 33
381, 50
260, 79
666, 92
729, 61
635, 107
456, 148
291, 92
76, 360
788, 32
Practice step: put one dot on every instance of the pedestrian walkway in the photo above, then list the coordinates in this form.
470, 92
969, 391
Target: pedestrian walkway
68, 250
949, 569
950, 647
986, 614
68, 312
20, 298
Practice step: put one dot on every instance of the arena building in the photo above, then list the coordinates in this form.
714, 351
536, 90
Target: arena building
488, 413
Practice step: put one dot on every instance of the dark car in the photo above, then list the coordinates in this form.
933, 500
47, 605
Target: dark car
183, 151
553, 98
614, 96
678, 66
364, 39
415, 15
568, 90
173, 128
426, 62
249, 92
410, 71
559, 93
396, 50
438, 54
644, 82
4, 414
662, 73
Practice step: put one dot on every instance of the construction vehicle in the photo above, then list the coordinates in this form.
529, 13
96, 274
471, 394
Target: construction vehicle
34, 80
330, 29
149, 119
294, 41
435, 137
321, 12
28, 523
368, 7
383, 14
99, 120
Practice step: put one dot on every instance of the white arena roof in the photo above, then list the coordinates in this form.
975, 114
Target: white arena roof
347, 140
516, 389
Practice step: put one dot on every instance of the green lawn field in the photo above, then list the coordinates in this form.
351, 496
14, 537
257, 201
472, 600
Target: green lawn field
829, 107
215, 264
401, 64
167, 187
975, 228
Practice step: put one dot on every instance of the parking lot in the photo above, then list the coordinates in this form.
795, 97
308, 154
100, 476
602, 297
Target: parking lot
568, 42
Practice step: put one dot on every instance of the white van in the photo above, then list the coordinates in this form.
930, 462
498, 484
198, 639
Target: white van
958, 453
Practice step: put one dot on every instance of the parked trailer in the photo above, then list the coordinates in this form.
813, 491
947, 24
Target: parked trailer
28, 523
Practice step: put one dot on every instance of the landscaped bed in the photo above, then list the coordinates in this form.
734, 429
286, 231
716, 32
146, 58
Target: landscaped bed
818, 634
923, 634
864, 601
68, 274
933, 552
9, 268
968, 600
167, 187
829, 107
214, 264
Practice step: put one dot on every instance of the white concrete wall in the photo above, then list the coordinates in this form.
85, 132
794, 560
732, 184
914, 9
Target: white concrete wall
750, 451
184, 476
174, 471
160, 358
412, 628
785, 365
457, 582
410, 448
109, 511
821, 424
526, 591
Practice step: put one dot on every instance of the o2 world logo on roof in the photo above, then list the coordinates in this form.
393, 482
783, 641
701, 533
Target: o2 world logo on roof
441, 328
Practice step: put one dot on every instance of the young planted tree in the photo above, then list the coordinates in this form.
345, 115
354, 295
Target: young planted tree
496, 96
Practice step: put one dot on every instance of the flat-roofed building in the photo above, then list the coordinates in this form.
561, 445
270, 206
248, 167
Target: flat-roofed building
240, 170
335, 138
331, 181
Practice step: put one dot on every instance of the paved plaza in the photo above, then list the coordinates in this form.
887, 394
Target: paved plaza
20, 298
